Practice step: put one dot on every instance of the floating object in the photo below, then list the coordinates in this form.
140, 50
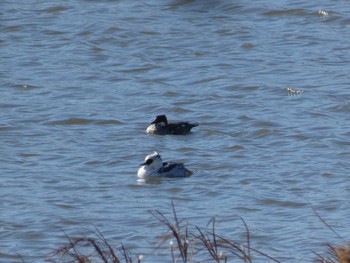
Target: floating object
153, 166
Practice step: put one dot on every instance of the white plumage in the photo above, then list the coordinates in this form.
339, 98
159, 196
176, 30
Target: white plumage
154, 166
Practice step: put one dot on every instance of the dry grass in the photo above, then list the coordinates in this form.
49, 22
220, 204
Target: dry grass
339, 254
179, 231
205, 244
342, 253
88, 250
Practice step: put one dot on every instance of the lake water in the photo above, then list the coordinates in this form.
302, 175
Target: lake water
81, 80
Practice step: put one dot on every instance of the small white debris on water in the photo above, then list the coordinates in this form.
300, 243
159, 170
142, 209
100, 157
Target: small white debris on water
323, 13
294, 92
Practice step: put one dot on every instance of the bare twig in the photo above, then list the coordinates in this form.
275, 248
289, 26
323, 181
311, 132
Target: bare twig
115, 259
176, 230
326, 224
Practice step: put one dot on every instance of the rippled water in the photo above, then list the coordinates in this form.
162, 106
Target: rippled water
80, 81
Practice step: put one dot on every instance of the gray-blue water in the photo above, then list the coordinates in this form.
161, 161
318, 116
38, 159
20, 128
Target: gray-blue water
81, 80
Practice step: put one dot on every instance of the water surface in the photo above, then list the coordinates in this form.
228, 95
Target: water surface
80, 81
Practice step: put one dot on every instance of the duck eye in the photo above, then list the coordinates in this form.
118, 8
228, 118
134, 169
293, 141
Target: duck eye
149, 161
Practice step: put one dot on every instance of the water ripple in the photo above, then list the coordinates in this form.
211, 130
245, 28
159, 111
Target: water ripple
81, 80
80, 121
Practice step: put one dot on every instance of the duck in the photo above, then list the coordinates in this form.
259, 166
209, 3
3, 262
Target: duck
153, 166
160, 126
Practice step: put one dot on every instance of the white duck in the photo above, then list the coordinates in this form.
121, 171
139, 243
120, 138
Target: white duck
154, 166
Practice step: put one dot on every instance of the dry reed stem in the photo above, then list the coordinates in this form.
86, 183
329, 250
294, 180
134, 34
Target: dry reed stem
218, 247
102, 250
339, 254
210, 241
213, 242
342, 253
177, 231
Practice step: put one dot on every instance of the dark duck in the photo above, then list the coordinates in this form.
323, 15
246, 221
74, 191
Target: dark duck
161, 126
